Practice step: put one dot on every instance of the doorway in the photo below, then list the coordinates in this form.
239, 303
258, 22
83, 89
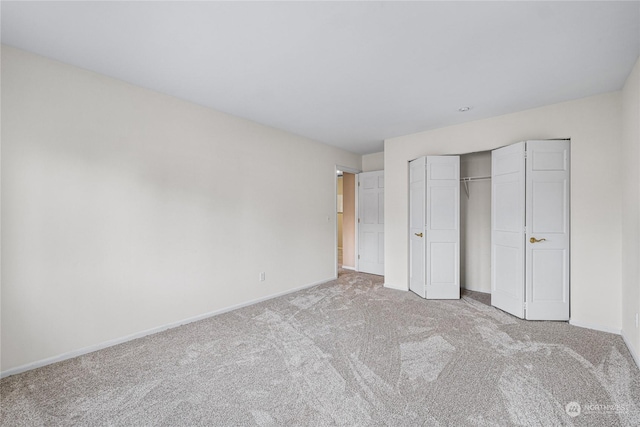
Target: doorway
346, 185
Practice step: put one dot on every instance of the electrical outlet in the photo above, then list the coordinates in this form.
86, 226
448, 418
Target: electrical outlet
262, 276
636, 320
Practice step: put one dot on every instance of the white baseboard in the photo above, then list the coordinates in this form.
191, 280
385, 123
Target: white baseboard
595, 327
346, 267
632, 350
116, 341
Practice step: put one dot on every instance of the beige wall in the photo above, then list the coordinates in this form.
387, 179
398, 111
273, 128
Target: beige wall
373, 162
124, 209
349, 221
594, 126
475, 223
630, 210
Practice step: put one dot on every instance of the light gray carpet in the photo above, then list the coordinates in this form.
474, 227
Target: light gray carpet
348, 352
478, 296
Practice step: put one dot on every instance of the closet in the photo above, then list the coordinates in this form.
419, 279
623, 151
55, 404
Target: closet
516, 243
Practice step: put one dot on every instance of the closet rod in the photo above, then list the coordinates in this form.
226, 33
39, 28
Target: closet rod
474, 178
469, 179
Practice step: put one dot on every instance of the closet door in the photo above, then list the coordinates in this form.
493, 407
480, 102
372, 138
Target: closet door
507, 228
530, 202
417, 178
434, 227
442, 227
547, 236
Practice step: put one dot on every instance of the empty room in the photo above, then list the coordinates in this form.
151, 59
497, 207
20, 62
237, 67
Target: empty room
320, 213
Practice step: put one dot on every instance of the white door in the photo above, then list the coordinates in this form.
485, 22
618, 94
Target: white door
417, 177
434, 227
371, 222
442, 227
507, 228
547, 235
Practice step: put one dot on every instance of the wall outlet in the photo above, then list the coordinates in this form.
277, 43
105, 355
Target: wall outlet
636, 320
262, 276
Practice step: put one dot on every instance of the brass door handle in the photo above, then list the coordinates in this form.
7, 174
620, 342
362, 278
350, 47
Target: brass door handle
534, 240
418, 234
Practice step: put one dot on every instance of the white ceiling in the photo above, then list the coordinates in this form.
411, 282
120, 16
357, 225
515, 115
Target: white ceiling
348, 74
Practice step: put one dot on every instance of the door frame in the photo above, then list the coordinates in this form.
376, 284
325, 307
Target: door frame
335, 215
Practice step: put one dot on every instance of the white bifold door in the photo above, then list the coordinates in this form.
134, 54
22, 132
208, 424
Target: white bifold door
371, 222
530, 195
434, 227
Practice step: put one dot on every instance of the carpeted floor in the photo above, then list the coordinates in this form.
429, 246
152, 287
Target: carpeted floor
478, 296
348, 352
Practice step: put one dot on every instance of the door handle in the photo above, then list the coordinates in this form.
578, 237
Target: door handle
534, 240
418, 234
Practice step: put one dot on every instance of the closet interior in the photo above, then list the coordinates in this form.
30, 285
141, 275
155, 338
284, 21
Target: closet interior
475, 221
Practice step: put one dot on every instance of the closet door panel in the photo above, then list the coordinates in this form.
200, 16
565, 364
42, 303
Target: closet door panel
507, 228
443, 215
442, 228
547, 239
549, 206
443, 266
547, 284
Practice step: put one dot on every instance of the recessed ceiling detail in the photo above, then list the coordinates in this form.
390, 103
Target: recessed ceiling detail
349, 74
